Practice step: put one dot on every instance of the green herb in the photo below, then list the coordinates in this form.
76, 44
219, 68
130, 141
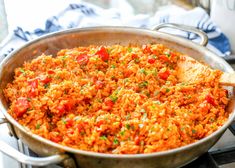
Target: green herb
154, 72
82, 133
154, 56
157, 102
115, 141
99, 100
113, 66
38, 126
103, 137
122, 133
46, 85
22, 71
153, 107
64, 121
167, 54
167, 89
143, 84
109, 50
128, 126
113, 98
137, 60
129, 50
147, 93
128, 116
142, 70
194, 131
126, 80
28, 98
64, 57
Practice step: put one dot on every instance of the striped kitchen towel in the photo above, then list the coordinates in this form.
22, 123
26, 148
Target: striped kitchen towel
88, 15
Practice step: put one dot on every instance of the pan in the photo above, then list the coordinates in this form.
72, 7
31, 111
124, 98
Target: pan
51, 153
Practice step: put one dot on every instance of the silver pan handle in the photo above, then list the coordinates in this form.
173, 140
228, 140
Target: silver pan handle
35, 161
201, 34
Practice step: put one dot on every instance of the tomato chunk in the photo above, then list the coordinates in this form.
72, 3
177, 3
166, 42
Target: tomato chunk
164, 75
45, 79
55, 137
69, 122
147, 49
50, 72
109, 103
210, 100
164, 58
151, 60
21, 106
33, 90
103, 54
99, 84
82, 59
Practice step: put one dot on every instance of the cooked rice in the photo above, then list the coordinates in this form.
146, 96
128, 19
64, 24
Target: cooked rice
115, 99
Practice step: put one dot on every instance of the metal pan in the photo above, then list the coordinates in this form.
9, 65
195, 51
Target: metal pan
55, 153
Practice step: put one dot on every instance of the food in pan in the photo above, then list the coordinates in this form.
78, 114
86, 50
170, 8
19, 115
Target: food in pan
116, 99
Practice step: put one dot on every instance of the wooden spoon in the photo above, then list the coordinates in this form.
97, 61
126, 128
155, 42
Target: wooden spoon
192, 71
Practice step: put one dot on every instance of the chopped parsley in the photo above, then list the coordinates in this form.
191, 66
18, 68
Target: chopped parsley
115, 141
143, 84
38, 126
113, 66
103, 137
128, 126
22, 71
129, 50
142, 70
122, 133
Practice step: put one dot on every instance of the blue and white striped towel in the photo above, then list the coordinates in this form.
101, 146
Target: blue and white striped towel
86, 15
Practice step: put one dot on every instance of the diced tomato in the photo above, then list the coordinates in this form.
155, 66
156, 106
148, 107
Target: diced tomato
99, 84
164, 75
61, 109
163, 58
21, 106
55, 137
33, 90
69, 122
134, 56
127, 73
210, 100
137, 140
146, 49
82, 59
173, 55
151, 60
81, 126
45, 79
99, 123
70, 131
69, 104
33, 83
50, 72
103, 54
109, 103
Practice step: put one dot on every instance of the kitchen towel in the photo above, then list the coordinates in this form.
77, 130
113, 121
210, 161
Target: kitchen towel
83, 14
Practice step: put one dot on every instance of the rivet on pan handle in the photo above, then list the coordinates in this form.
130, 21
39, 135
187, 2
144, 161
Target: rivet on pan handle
35, 161
201, 34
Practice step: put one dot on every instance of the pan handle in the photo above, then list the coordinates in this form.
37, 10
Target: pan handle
200, 33
35, 161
